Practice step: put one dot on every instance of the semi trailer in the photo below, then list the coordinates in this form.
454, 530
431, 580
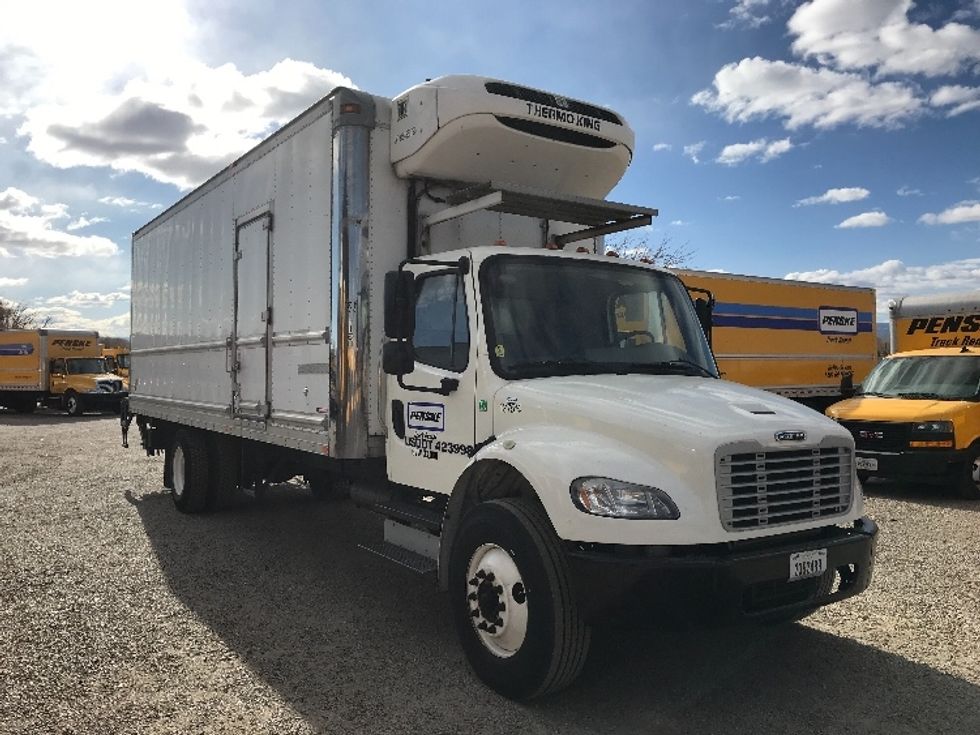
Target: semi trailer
406, 300
795, 338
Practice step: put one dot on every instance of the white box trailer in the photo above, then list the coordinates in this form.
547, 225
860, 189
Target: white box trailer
405, 293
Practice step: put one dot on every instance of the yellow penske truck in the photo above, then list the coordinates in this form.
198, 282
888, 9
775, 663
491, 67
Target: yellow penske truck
917, 415
402, 298
794, 338
56, 367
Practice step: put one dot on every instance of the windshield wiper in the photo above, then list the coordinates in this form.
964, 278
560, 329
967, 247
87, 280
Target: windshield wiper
934, 396
684, 365
559, 367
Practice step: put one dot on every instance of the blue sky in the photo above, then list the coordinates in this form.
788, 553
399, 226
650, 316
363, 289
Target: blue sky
831, 140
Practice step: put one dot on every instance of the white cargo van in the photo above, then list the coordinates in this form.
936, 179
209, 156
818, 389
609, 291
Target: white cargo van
411, 294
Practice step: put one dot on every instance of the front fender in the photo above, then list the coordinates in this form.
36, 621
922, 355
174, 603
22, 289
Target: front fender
550, 458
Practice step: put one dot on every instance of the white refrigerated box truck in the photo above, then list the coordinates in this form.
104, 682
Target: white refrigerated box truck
404, 295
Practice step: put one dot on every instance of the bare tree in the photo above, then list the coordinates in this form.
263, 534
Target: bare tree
666, 254
16, 316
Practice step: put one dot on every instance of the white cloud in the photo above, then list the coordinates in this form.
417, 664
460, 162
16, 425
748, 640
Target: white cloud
7, 281
758, 88
93, 298
908, 191
662, 146
877, 34
731, 198
83, 222
893, 279
836, 196
865, 219
955, 215
961, 99
679, 223
27, 227
127, 203
747, 14
732, 155
693, 150
92, 92
62, 317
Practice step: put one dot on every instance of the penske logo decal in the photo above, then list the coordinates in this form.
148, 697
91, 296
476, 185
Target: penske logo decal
838, 321
950, 331
71, 344
427, 416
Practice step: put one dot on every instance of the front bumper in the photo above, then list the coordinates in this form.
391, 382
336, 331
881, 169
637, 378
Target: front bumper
933, 466
734, 580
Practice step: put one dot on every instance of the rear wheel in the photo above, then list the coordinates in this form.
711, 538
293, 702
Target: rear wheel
513, 605
970, 479
189, 472
73, 404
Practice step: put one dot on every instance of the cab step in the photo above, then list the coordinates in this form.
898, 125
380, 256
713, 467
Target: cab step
406, 546
402, 557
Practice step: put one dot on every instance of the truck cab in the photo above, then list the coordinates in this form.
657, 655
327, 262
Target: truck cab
79, 384
117, 361
917, 417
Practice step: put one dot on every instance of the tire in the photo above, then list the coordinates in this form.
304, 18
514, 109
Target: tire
189, 472
524, 637
73, 404
969, 485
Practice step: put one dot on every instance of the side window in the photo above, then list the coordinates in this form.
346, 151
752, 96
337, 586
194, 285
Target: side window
58, 366
442, 332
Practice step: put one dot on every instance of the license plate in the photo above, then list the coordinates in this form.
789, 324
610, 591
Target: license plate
869, 464
806, 564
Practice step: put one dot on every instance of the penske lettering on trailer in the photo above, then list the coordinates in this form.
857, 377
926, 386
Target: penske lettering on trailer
71, 344
563, 116
959, 329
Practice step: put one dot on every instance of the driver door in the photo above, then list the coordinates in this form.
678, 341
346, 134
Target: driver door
432, 435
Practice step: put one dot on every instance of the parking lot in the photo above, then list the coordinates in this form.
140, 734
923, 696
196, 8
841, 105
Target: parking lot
119, 615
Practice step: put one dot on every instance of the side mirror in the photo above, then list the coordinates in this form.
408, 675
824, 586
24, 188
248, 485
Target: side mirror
399, 305
702, 307
847, 389
398, 358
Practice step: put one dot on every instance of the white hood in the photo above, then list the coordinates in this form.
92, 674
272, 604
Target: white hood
685, 410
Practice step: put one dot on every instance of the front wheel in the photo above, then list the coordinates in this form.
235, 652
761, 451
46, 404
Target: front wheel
73, 404
970, 479
512, 599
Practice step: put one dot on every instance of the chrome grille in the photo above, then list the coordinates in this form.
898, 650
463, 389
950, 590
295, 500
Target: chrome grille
775, 488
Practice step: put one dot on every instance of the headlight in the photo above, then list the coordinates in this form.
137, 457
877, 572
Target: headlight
934, 427
602, 496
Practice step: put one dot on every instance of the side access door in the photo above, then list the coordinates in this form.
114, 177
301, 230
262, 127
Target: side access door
431, 433
249, 349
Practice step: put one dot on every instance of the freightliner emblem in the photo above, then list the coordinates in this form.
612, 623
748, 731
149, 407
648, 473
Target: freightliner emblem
790, 436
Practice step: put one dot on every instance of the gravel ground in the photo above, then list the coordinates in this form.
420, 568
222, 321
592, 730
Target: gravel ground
119, 615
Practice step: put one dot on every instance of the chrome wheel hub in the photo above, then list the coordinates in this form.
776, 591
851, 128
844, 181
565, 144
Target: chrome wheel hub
497, 600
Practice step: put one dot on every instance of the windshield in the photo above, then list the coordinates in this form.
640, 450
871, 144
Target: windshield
123, 361
550, 316
949, 378
86, 365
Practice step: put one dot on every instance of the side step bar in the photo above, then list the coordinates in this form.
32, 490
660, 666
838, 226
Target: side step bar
408, 547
